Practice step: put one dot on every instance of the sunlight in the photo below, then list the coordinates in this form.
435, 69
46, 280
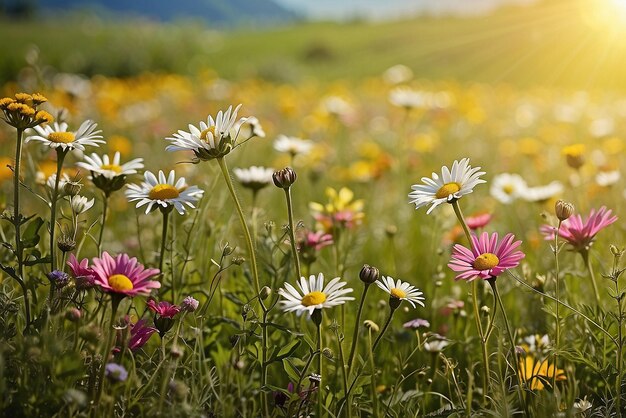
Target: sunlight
605, 15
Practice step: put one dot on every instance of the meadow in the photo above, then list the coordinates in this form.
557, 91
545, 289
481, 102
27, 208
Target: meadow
126, 292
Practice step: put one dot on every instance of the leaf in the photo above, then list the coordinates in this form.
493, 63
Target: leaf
35, 261
31, 233
291, 371
287, 350
10, 271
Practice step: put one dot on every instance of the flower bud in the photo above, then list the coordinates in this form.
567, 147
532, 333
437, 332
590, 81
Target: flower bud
391, 230
176, 351
66, 243
265, 292
73, 314
616, 251
238, 260
72, 188
369, 274
284, 178
189, 304
228, 250
563, 209
485, 310
58, 278
369, 324
328, 353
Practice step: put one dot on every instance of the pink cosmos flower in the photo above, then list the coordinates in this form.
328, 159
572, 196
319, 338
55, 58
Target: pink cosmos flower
478, 221
163, 309
82, 273
140, 333
487, 258
578, 233
314, 240
123, 275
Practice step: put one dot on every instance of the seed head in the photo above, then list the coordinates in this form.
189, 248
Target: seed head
284, 178
563, 209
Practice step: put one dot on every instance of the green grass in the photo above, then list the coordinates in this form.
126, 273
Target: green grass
544, 45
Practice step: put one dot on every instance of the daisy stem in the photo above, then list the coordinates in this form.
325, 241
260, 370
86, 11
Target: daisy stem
292, 231
105, 206
392, 309
166, 217
557, 295
461, 218
17, 221
373, 377
357, 324
317, 319
115, 303
242, 219
587, 259
496, 294
53, 212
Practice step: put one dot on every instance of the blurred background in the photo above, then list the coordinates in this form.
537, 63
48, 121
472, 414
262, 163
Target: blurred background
575, 44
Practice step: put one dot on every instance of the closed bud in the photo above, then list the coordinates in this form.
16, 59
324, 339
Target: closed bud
284, 178
238, 260
176, 351
369, 324
328, 353
73, 314
72, 188
227, 250
563, 209
391, 230
66, 243
265, 292
369, 274
616, 251
485, 310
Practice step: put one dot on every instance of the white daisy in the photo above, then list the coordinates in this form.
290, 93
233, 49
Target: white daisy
542, 193
254, 178
51, 180
505, 187
57, 136
80, 204
408, 98
335, 105
314, 295
103, 166
211, 139
293, 145
401, 290
248, 128
607, 178
163, 192
452, 184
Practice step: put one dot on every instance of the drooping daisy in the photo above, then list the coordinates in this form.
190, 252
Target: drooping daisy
57, 136
314, 295
505, 187
254, 178
488, 258
211, 139
249, 128
164, 192
400, 290
123, 275
542, 193
578, 233
110, 168
452, 185
293, 145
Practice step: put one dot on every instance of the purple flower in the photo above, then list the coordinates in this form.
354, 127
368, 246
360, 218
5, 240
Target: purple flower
115, 372
189, 304
417, 323
140, 333
58, 278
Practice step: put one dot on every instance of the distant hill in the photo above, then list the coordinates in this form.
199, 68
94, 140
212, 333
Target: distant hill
213, 12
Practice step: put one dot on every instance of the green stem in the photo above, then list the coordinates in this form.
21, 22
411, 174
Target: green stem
618, 378
355, 334
320, 356
115, 303
520, 395
53, 211
104, 219
242, 219
587, 259
292, 231
264, 364
461, 218
17, 221
166, 217
557, 295
373, 378
382, 332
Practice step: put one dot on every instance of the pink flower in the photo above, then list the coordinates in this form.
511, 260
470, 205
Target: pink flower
163, 309
123, 275
579, 234
478, 221
315, 240
487, 258
140, 333
82, 273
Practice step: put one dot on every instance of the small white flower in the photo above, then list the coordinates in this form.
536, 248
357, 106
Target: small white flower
453, 184
254, 178
397, 74
337, 106
248, 128
408, 98
57, 136
506, 187
582, 405
313, 295
108, 168
163, 191
607, 178
51, 180
211, 139
80, 204
436, 343
401, 290
542, 193
293, 145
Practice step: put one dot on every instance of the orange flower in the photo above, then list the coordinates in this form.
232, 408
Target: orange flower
537, 374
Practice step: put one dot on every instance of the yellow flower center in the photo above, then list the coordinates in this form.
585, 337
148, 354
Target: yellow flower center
112, 167
508, 189
486, 261
447, 189
205, 133
397, 293
120, 283
163, 191
61, 137
313, 298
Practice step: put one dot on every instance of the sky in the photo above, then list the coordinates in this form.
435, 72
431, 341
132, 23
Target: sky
388, 9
